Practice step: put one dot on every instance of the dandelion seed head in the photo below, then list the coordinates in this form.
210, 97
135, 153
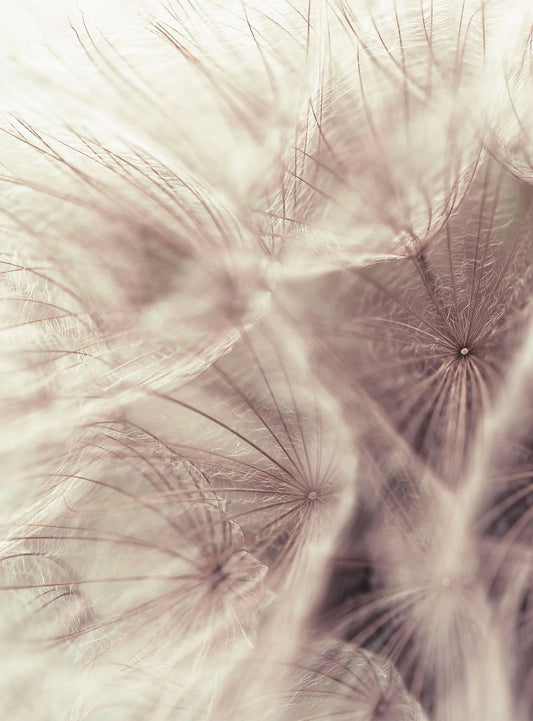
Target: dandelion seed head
260, 324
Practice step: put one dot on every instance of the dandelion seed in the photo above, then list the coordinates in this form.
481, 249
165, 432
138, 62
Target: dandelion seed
329, 678
400, 326
386, 149
173, 255
278, 453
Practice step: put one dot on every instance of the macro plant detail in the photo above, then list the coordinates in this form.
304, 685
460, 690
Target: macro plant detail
267, 355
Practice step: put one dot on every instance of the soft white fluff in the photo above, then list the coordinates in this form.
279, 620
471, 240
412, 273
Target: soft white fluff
266, 356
